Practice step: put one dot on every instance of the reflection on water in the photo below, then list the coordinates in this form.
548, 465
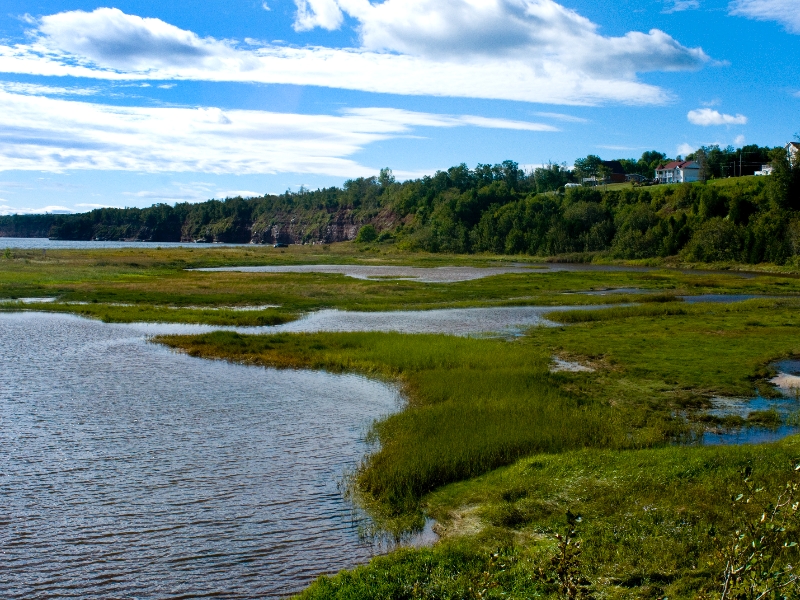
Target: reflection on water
131, 471
786, 408
450, 274
511, 320
422, 274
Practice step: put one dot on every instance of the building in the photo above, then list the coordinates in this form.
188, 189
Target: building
635, 177
792, 151
765, 170
615, 171
678, 171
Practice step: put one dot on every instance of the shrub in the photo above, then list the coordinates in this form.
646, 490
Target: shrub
367, 234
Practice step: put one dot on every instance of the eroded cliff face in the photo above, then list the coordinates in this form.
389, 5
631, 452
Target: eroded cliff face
293, 226
317, 227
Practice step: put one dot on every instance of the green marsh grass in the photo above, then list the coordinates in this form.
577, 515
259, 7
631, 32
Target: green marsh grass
473, 404
477, 404
652, 522
159, 278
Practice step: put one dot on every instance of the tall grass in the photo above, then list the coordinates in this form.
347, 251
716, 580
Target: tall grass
617, 312
474, 405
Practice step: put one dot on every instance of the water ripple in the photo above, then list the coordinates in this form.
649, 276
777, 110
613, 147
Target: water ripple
131, 471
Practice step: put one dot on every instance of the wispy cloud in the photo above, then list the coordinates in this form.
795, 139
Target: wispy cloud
38, 133
685, 149
785, 12
681, 5
91, 206
527, 50
706, 117
45, 90
562, 117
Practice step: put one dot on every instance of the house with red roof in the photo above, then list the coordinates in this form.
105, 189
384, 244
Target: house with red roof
678, 171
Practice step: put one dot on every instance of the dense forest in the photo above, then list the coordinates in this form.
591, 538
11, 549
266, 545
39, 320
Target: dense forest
495, 208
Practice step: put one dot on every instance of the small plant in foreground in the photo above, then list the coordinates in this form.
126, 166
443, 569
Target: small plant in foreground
7, 254
567, 565
758, 557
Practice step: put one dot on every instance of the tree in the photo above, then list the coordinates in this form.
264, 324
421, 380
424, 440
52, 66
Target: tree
588, 167
386, 177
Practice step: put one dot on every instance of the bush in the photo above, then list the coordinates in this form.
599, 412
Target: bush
366, 234
716, 240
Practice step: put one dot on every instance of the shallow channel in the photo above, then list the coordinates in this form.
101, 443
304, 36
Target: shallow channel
129, 470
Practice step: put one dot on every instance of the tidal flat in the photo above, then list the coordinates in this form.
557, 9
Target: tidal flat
490, 443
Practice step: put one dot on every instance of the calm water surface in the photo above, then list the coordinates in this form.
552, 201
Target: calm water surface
47, 244
129, 471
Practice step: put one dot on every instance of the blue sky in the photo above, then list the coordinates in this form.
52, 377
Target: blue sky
137, 102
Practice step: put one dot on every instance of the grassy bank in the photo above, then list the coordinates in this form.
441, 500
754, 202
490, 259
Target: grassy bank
653, 524
601, 443
475, 405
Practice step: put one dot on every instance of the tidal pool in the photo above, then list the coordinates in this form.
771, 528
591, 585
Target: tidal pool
130, 471
453, 274
787, 381
422, 274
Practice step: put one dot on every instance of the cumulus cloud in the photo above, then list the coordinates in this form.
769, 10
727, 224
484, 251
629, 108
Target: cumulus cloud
49, 134
531, 31
785, 12
111, 38
318, 13
526, 50
684, 149
707, 116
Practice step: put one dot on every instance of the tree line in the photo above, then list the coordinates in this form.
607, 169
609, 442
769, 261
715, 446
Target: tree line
495, 208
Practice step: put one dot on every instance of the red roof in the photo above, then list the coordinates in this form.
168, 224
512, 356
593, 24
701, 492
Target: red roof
677, 164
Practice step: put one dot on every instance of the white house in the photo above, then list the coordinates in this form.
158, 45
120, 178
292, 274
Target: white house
792, 150
765, 170
678, 171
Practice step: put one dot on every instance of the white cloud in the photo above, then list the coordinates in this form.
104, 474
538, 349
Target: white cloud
44, 90
265, 6
525, 50
114, 39
706, 117
682, 5
317, 13
684, 149
5, 209
739, 140
47, 134
562, 117
90, 205
785, 12
534, 32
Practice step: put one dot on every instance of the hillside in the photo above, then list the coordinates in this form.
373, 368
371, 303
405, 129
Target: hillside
498, 209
